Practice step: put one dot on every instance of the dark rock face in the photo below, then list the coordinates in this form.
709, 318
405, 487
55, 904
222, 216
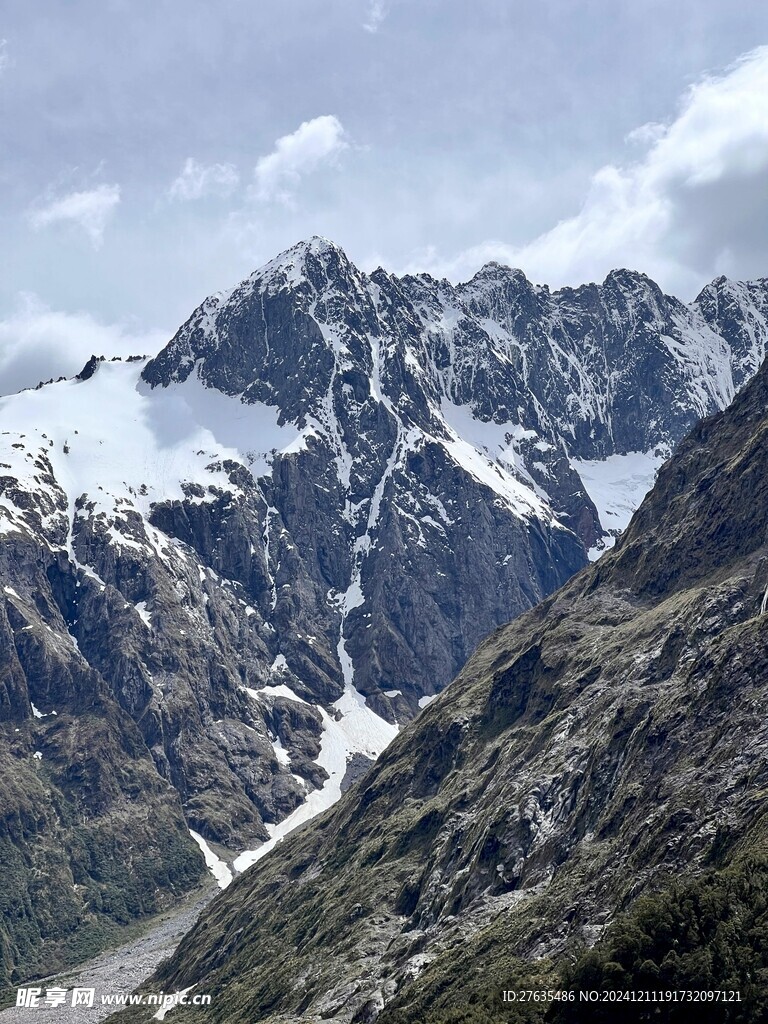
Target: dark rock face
281, 536
608, 741
91, 836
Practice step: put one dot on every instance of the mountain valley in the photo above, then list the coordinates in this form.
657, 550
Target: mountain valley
233, 572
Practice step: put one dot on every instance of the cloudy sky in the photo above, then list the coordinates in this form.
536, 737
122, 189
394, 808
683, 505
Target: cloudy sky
154, 151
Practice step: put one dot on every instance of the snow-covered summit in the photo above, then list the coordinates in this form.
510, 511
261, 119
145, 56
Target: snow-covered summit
297, 265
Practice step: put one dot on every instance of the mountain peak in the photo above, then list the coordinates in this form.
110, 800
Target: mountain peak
315, 245
304, 261
623, 277
493, 271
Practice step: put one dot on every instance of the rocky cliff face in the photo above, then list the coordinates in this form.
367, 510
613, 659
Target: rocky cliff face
608, 741
91, 835
261, 552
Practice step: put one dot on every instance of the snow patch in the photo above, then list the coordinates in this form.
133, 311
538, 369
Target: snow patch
36, 711
359, 730
276, 690
136, 445
617, 486
280, 752
215, 864
174, 1001
488, 452
145, 616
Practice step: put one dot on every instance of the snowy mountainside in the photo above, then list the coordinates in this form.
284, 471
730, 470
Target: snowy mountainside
532, 378
268, 547
590, 788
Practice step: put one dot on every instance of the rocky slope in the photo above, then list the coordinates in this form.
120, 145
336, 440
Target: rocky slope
115, 973
231, 572
610, 742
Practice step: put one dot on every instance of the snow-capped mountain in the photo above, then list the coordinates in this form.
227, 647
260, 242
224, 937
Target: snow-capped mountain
531, 378
582, 811
241, 566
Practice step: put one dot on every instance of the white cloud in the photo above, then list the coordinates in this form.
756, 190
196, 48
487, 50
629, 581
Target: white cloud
690, 207
314, 143
89, 210
197, 181
38, 343
647, 134
3, 54
377, 12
